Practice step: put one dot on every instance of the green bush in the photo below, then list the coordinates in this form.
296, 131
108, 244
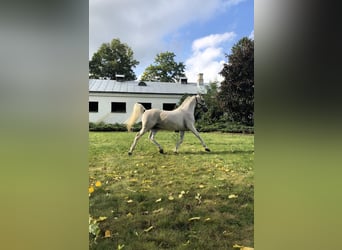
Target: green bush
223, 126
201, 125
101, 126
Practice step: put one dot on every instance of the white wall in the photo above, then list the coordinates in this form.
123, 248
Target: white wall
105, 99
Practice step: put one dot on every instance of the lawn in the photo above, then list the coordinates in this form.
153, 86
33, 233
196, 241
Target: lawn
190, 200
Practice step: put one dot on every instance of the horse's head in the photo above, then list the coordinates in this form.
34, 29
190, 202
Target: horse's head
200, 103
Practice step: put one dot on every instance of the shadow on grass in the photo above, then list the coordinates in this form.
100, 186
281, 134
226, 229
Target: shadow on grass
213, 152
216, 152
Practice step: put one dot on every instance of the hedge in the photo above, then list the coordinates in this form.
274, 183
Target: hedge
225, 127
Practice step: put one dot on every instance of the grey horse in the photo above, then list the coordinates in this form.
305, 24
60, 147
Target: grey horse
181, 119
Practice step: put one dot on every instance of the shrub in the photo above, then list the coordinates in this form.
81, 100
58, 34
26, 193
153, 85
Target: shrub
202, 126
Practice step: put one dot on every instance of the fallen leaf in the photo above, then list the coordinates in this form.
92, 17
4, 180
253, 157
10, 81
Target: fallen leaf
159, 200
232, 196
98, 184
194, 218
201, 186
129, 214
181, 194
129, 201
157, 210
171, 198
148, 229
242, 247
107, 234
101, 218
198, 197
186, 243
121, 246
237, 246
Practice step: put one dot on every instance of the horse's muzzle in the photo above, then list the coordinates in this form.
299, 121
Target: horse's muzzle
205, 109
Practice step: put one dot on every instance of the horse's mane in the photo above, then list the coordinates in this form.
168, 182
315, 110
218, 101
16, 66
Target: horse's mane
187, 99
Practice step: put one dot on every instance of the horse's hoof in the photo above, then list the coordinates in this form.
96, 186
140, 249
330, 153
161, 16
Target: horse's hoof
207, 149
161, 151
129, 153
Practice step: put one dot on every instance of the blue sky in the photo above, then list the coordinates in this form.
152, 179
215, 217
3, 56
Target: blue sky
199, 32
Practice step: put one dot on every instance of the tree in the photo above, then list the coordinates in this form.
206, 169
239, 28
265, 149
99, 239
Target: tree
215, 112
165, 69
236, 94
111, 59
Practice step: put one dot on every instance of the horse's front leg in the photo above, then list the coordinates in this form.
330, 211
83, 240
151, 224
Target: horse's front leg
195, 132
181, 138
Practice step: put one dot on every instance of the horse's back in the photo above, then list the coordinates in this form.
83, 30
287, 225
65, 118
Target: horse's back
165, 120
150, 118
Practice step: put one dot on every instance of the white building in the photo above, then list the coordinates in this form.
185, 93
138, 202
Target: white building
112, 101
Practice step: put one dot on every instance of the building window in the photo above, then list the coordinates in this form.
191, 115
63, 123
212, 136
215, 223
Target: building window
169, 106
147, 105
118, 107
93, 107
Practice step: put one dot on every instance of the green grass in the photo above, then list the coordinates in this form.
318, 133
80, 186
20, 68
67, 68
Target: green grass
172, 201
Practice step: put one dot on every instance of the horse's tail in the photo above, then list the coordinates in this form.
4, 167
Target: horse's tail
138, 110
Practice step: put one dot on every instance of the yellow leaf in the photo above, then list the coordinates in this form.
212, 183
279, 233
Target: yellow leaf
101, 218
171, 198
91, 190
181, 194
129, 214
232, 196
237, 246
201, 186
130, 201
242, 247
159, 200
98, 184
148, 229
194, 218
158, 210
107, 234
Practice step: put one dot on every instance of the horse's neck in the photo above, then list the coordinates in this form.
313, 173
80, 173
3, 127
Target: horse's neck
189, 106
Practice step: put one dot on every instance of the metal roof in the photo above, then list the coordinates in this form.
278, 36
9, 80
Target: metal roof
112, 86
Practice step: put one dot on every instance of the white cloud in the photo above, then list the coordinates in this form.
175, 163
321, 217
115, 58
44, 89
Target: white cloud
144, 24
211, 40
251, 36
208, 57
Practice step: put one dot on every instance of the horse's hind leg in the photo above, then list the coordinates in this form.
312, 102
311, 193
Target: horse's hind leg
137, 137
151, 137
181, 134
